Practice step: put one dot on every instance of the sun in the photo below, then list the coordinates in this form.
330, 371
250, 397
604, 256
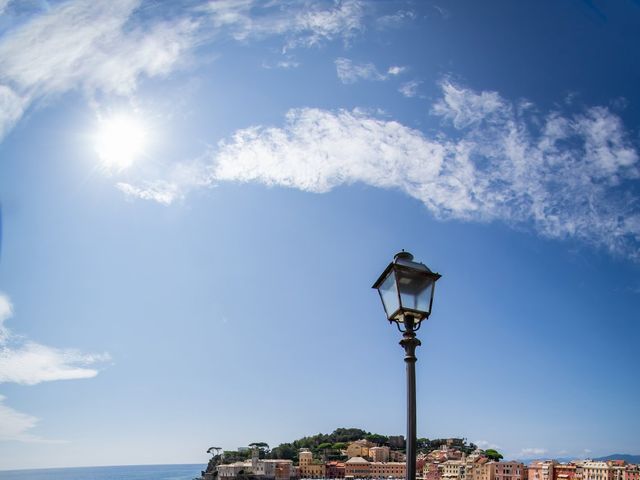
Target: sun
120, 140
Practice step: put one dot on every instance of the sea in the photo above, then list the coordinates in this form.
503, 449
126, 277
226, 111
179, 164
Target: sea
129, 472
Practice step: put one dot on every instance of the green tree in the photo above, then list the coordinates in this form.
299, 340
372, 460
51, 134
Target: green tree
263, 448
285, 451
493, 454
377, 438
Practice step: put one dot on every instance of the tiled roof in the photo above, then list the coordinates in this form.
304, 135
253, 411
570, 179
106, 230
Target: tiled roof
357, 460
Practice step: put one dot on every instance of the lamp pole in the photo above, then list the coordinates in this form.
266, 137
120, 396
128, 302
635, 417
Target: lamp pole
409, 342
406, 290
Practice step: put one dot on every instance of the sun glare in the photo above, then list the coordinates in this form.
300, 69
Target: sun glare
120, 141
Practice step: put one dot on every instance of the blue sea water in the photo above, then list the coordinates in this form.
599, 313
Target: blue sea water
129, 472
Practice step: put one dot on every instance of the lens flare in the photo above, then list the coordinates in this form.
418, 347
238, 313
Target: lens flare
120, 141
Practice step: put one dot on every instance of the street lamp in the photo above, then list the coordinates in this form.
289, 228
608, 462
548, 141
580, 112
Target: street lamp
406, 290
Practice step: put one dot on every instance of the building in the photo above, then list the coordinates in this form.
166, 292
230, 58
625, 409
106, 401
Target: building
432, 470
395, 456
596, 470
632, 472
357, 467
485, 470
453, 470
476, 467
266, 469
507, 471
388, 470
359, 448
542, 470
307, 467
334, 469
379, 454
617, 469
232, 470
564, 471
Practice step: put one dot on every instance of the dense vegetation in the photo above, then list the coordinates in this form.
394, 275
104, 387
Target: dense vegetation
329, 446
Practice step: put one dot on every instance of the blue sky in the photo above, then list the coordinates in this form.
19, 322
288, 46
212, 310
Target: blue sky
196, 199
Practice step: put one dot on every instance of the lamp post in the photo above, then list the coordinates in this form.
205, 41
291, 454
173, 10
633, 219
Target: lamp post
406, 290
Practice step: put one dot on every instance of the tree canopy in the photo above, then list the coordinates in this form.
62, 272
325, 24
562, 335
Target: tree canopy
493, 454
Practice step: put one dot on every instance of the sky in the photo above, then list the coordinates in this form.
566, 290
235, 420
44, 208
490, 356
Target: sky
197, 197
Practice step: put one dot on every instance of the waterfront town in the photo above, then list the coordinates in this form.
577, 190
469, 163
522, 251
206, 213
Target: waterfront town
364, 459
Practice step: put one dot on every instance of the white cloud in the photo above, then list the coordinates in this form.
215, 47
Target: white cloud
6, 312
396, 19
410, 89
563, 175
531, 453
301, 24
105, 46
32, 363
182, 178
464, 107
349, 72
11, 109
568, 178
85, 44
396, 70
160, 191
15, 425
484, 444
28, 363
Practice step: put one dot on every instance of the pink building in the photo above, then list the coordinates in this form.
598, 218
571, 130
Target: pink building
631, 472
432, 471
508, 471
541, 470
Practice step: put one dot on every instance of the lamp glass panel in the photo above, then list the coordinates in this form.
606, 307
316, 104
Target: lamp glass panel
389, 294
415, 291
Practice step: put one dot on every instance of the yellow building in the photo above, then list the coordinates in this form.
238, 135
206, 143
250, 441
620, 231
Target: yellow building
359, 448
596, 470
308, 468
453, 470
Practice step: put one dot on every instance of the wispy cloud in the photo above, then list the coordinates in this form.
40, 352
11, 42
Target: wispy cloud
396, 70
485, 444
86, 44
396, 19
526, 453
32, 363
300, 24
410, 89
15, 425
18, 426
563, 175
103, 45
350, 72
28, 363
